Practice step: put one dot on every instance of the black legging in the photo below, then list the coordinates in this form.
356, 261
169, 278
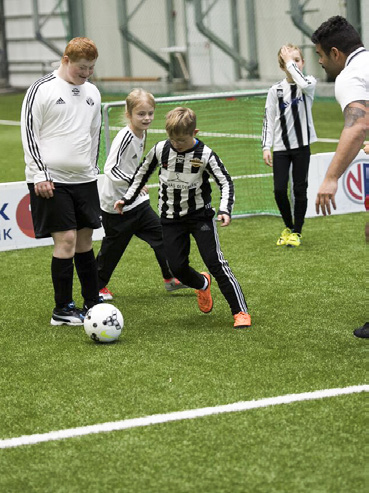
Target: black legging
119, 230
177, 243
300, 159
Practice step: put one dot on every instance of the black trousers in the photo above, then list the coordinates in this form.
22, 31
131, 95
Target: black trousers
142, 222
177, 243
282, 160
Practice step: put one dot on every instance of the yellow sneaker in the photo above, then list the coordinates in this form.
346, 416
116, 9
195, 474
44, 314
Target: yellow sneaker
294, 240
204, 299
242, 320
284, 236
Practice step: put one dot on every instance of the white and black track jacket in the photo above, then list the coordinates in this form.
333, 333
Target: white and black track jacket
288, 122
60, 125
184, 185
122, 162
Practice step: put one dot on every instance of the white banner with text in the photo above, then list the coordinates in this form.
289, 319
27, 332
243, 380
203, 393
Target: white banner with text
16, 229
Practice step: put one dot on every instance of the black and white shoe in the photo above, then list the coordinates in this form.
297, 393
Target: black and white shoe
68, 315
90, 304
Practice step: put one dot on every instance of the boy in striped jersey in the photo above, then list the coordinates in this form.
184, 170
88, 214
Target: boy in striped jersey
186, 165
288, 128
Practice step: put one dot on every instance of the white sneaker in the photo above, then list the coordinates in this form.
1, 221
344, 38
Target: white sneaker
105, 294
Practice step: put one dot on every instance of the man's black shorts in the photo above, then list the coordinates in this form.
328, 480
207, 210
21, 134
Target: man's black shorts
71, 207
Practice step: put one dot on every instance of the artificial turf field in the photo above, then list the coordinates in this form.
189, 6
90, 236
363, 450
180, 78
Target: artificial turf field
304, 304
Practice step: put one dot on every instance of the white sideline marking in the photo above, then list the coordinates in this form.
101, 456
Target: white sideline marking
176, 416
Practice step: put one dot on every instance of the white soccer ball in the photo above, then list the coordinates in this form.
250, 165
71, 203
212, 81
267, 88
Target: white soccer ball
103, 323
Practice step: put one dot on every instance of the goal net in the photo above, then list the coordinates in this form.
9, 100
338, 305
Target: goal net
229, 123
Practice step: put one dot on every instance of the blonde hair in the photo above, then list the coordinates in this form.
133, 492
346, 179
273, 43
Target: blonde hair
180, 121
79, 48
136, 97
292, 47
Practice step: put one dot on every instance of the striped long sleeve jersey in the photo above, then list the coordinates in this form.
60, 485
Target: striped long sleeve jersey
184, 185
288, 122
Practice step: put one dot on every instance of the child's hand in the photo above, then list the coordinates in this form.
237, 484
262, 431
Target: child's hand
286, 54
267, 157
224, 219
366, 148
118, 206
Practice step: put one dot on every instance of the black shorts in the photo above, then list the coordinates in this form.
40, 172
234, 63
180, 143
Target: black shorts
71, 207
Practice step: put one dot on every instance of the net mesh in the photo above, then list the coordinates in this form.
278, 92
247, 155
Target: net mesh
231, 125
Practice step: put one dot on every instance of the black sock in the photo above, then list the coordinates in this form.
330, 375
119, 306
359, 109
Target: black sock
62, 277
86, 268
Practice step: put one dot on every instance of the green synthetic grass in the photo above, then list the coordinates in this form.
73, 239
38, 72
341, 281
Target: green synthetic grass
215, 454
304, 303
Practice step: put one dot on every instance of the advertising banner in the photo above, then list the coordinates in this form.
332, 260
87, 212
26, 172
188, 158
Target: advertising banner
353, 186
16, 229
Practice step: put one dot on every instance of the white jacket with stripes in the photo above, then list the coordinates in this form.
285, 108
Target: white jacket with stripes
288, 122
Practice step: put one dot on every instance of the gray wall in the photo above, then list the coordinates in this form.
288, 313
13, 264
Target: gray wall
209, 67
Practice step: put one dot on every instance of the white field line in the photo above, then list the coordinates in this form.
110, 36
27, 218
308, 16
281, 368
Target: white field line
177, 416
205, 134
9, 122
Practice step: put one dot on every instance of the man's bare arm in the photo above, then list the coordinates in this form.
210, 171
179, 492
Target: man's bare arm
351, 141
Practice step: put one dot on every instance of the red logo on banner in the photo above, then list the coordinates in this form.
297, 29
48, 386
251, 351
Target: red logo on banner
353, 183
24, 218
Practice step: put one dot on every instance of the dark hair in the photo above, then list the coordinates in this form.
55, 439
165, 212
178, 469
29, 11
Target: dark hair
337, 32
